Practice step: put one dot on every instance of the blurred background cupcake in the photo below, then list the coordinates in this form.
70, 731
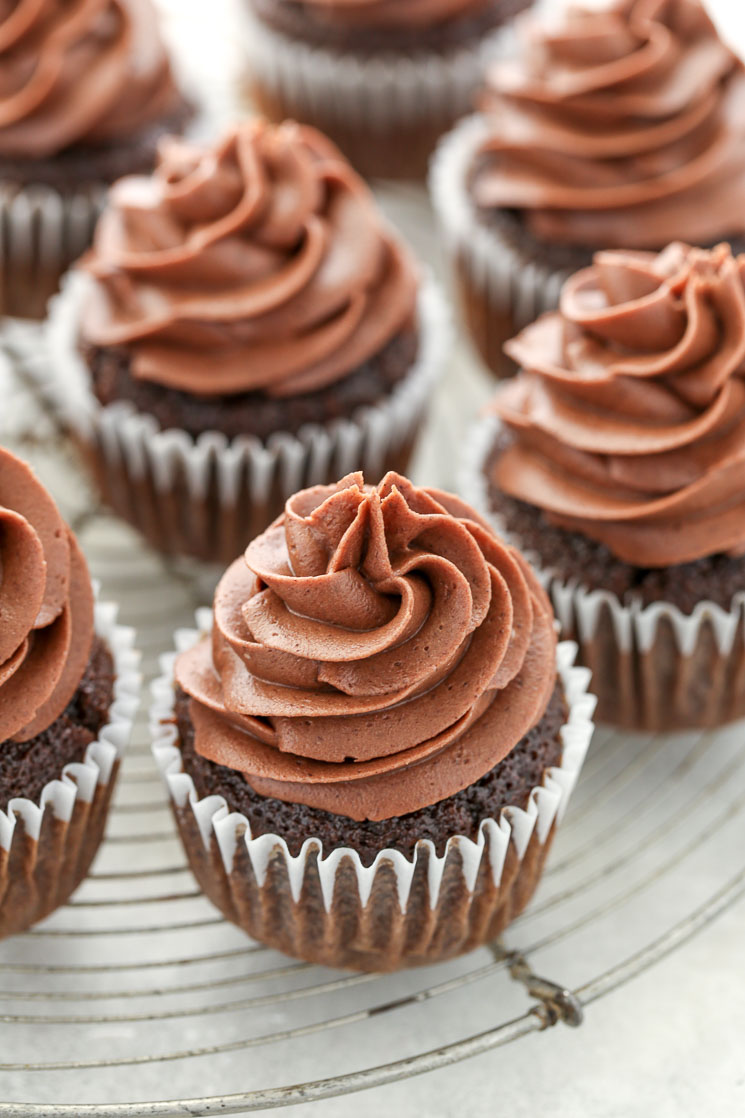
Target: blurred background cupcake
68, 693
610, 128
369, 754
246, 323
383, 78
86, 92
616, 460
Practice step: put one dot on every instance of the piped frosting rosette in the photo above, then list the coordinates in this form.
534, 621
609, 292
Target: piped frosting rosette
46, 606
259, 264
374, 652
88, 73
629, 415
621, 127
627, 427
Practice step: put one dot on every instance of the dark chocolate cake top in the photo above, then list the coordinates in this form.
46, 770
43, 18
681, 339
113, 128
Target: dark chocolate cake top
261, 263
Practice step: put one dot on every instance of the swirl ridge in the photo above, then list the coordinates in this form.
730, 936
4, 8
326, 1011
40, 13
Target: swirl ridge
375, 651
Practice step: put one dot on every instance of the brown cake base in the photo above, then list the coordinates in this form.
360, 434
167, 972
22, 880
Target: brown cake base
37, 876
253, 414
376, 935
659, 687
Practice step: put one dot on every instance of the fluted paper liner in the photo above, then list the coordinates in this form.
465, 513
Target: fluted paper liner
386, 111
208, 497
46, 847
499, 293
398, 912
653, 666
42, 231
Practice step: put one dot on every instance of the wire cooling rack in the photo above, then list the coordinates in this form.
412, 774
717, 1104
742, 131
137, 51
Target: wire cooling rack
137, 998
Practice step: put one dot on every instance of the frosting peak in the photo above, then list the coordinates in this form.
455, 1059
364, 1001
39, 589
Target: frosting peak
375, 651
259, 264
621, 127
83, 72
46, 606
629, 411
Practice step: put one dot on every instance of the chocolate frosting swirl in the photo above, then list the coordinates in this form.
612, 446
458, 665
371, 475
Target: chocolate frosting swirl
86, 72
621, 128
260, 264
46, 606
392, 13
629, 411
375, 651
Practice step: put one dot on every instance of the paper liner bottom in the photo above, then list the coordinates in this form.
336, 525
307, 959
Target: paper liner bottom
203, 524
377, 936
659, 688
39, 875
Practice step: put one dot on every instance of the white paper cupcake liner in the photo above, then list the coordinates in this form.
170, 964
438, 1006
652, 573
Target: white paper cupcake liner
500, 293
654, 667
396, 912
207, 497
42, 231
46, 846
382, 97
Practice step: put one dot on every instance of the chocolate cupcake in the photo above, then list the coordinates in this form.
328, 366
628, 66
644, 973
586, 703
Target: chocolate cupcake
619, 128
616, 459
85, 94
369, 753
383, 78
68, 693
245, 324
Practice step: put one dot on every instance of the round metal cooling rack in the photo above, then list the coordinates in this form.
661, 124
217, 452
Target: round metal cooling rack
138, 999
